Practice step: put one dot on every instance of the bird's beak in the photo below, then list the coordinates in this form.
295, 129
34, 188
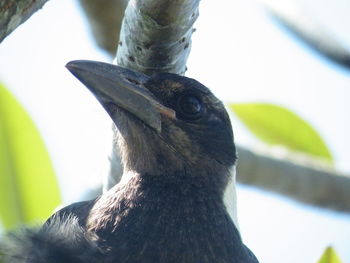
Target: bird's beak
122, 87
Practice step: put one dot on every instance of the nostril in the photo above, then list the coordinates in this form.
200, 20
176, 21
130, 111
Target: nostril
133, 81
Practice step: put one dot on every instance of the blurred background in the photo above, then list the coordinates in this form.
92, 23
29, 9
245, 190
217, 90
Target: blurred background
243, 54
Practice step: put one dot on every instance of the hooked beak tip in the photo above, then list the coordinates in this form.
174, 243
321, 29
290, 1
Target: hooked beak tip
70, 65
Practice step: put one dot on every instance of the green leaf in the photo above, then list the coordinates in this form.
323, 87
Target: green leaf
28, 187
329, 256
276, 125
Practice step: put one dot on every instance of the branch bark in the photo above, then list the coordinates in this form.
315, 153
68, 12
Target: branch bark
299, 182
156, 35
15, 12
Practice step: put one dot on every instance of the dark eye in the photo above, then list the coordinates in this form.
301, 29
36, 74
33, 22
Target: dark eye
190, 107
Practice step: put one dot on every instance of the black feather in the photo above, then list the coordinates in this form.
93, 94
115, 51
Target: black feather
61, 240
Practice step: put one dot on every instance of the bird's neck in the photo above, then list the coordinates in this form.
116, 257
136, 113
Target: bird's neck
200, 186
178, 185
174, 214
149, 192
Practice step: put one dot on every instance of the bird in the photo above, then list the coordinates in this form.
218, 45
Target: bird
177, 149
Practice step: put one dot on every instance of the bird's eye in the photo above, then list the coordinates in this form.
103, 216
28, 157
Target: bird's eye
190, 107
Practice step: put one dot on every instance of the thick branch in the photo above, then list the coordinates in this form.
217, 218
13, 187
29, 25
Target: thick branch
15, 12
156, 35
309, 185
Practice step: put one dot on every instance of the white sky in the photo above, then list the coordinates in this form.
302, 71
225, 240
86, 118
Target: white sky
242, 57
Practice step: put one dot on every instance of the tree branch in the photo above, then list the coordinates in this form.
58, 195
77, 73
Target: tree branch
156, 35
312, 32
15, 12
306, 184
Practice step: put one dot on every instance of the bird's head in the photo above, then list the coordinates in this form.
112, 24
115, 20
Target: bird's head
166, 123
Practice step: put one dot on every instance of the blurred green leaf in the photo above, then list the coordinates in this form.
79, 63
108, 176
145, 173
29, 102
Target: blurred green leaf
28, 187
329, 256
278, 126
